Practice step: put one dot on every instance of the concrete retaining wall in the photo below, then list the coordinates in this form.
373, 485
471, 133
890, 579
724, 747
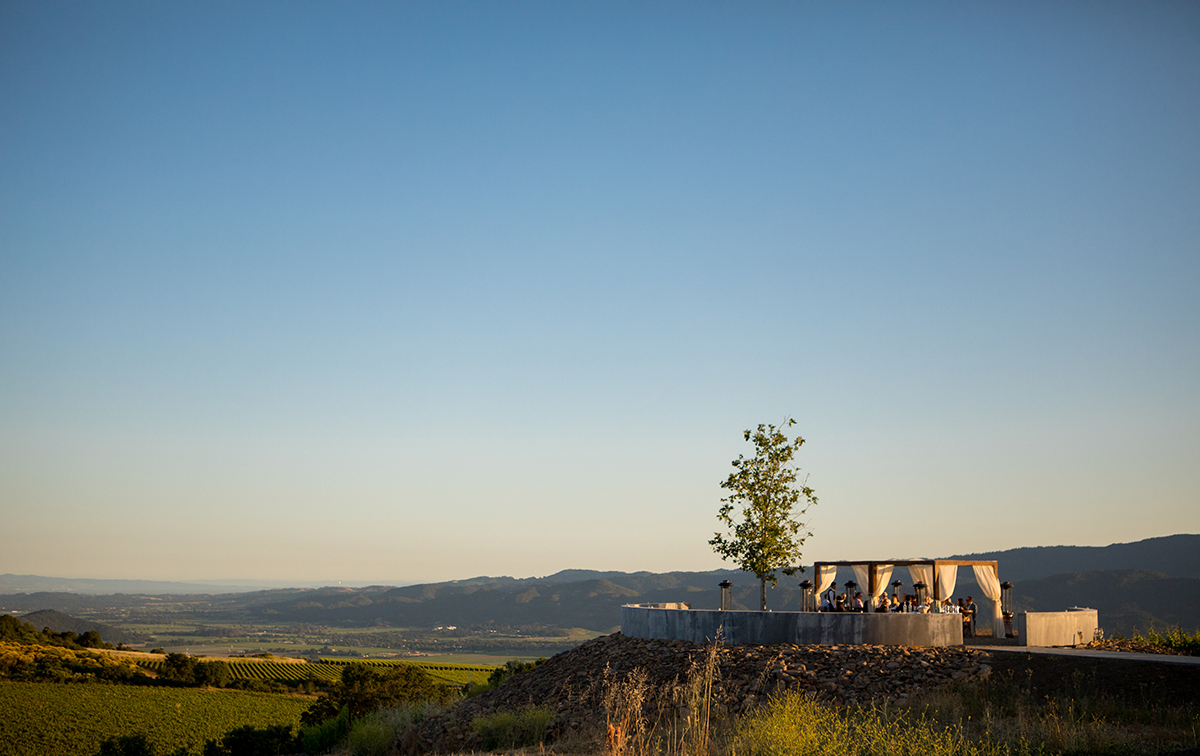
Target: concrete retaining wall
826, 628
1056, 628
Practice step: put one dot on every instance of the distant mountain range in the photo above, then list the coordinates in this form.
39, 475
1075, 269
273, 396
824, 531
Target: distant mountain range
1156, 581
1174, 555
10, 583
1126, 599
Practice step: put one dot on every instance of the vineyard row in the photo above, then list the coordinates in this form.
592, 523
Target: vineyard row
330, 670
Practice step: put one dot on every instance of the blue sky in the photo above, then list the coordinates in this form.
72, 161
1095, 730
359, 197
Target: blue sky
414, 291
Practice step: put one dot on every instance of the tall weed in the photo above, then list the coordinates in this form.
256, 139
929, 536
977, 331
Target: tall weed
796, 725
508, 729
690, 731
1074, 720
627, 732
996, 717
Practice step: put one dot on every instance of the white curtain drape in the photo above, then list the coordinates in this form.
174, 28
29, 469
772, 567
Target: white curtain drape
860, 574
921, 573
989, 583
825, 575
883, 576
947, 576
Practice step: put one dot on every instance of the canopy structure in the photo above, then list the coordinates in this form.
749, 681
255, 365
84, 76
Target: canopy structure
941, 574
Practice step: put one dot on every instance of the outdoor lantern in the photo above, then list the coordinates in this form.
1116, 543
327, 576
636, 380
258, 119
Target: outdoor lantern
726, 596
920, 588
851, 587
896, 588
808, 597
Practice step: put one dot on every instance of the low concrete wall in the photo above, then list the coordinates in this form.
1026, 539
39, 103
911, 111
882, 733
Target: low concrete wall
826, 628
1056, 628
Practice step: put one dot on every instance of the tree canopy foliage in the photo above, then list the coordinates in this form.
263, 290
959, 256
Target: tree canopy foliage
765, 497
189, 670
40, 663
363, 690
15, 630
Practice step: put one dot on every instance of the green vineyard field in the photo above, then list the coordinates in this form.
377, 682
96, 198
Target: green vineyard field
72, 720
330, 670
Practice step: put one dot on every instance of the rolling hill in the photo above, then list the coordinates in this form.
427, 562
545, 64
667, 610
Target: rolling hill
1174, 555
1127, 600
1155, 581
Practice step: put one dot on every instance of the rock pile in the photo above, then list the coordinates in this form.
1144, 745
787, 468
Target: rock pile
573, 683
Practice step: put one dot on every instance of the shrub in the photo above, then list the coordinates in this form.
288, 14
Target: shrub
375, 733
370, 737
322, 736
510, 670
1174, 638
127, 745
271, 740
499, 676
506, 729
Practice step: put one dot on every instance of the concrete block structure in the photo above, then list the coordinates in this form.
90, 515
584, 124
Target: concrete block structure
1070, 628
826, 628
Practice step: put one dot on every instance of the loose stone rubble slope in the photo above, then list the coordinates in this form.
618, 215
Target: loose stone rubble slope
572, 683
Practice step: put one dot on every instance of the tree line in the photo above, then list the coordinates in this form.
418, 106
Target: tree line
14, 630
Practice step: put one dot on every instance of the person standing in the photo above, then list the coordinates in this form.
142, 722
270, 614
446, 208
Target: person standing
829, 598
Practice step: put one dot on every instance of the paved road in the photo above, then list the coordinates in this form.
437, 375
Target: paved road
1093, 654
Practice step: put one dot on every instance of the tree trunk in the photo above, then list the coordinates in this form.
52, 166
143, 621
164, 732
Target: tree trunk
764, 595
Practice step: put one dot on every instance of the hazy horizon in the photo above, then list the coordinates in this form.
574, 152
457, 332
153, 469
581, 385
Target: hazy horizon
285, 583
436, 289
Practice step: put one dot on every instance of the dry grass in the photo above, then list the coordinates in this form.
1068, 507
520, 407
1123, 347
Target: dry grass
997, 717
131, 655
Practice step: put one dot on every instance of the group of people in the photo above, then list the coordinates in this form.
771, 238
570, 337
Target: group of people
832, 601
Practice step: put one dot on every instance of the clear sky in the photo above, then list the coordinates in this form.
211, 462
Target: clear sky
394, 292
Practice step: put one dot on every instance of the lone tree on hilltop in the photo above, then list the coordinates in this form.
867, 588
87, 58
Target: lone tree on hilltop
766, 489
